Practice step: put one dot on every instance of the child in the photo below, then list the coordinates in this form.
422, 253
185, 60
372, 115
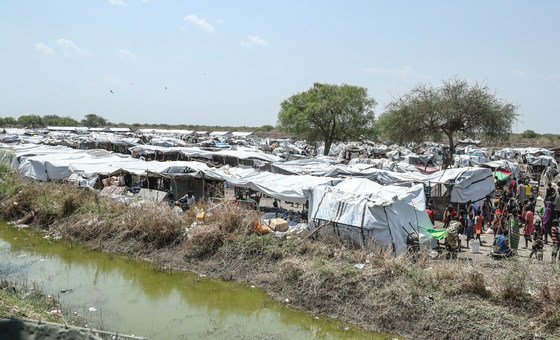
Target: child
538, 243
478, 226
529, 226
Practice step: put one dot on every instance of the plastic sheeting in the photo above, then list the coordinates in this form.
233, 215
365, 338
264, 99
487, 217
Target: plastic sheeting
362, 211
468, 183
45, 163
236, 152
282, 187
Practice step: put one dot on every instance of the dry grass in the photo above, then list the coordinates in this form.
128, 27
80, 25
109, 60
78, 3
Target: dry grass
430, 299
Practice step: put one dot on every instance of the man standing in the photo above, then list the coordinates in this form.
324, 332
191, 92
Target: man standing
521, 195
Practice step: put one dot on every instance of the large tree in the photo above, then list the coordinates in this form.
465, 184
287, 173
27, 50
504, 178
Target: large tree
456, 108
92, 120
329, 113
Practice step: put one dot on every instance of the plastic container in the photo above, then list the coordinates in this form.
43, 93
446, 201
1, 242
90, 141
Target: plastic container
475, 247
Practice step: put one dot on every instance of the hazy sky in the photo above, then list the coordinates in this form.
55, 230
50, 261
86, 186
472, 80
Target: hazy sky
233, 62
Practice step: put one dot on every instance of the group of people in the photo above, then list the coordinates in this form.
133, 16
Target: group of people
510, 215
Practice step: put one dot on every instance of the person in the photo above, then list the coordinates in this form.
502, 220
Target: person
448, 215
501, 246
528, 189
512, 204
462, 219
191, 201
452, 239
547, 220
529, 225
431, 213
479, 226
497, 220
513, 187
538, 244
521, 194
555, 241
501, 220
557, 203
513, 232
469, 227
549, 196
487, 210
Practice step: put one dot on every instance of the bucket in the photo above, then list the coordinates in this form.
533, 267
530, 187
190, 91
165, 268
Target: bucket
475, 247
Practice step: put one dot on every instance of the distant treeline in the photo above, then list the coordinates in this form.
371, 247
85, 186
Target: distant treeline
92, 120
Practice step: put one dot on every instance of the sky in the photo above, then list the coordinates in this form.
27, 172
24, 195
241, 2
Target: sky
234, 62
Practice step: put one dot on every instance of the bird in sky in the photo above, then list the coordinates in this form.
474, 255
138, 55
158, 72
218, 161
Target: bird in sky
165, 87
111, 91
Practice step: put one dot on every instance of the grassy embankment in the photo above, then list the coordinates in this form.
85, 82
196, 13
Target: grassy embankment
426, 299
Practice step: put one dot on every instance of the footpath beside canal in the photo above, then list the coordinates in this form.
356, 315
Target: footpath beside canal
422, 299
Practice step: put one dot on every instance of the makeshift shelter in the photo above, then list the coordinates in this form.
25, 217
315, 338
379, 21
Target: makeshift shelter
46, 163
364, 212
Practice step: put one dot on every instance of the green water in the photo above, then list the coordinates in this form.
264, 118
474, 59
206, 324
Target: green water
135, 298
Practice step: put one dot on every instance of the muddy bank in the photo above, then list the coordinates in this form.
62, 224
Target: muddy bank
426, 299
23, 301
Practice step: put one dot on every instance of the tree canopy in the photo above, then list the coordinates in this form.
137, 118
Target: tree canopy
92, 120
329, 113
54, 120
456, 108
529, 134
30, 121
36, 121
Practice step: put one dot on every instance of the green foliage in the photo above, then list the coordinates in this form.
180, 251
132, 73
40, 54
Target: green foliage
265, 128
30, 121
7, 122
35, 121
529, 134
54, 120
329, 113
457, 107
92, 120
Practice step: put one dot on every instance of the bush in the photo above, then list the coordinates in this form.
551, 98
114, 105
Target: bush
530, 134
204, 241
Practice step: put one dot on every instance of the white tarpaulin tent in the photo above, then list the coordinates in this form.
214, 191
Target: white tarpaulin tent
362, 211
45, 163
282, 187
468, 183
235, 152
